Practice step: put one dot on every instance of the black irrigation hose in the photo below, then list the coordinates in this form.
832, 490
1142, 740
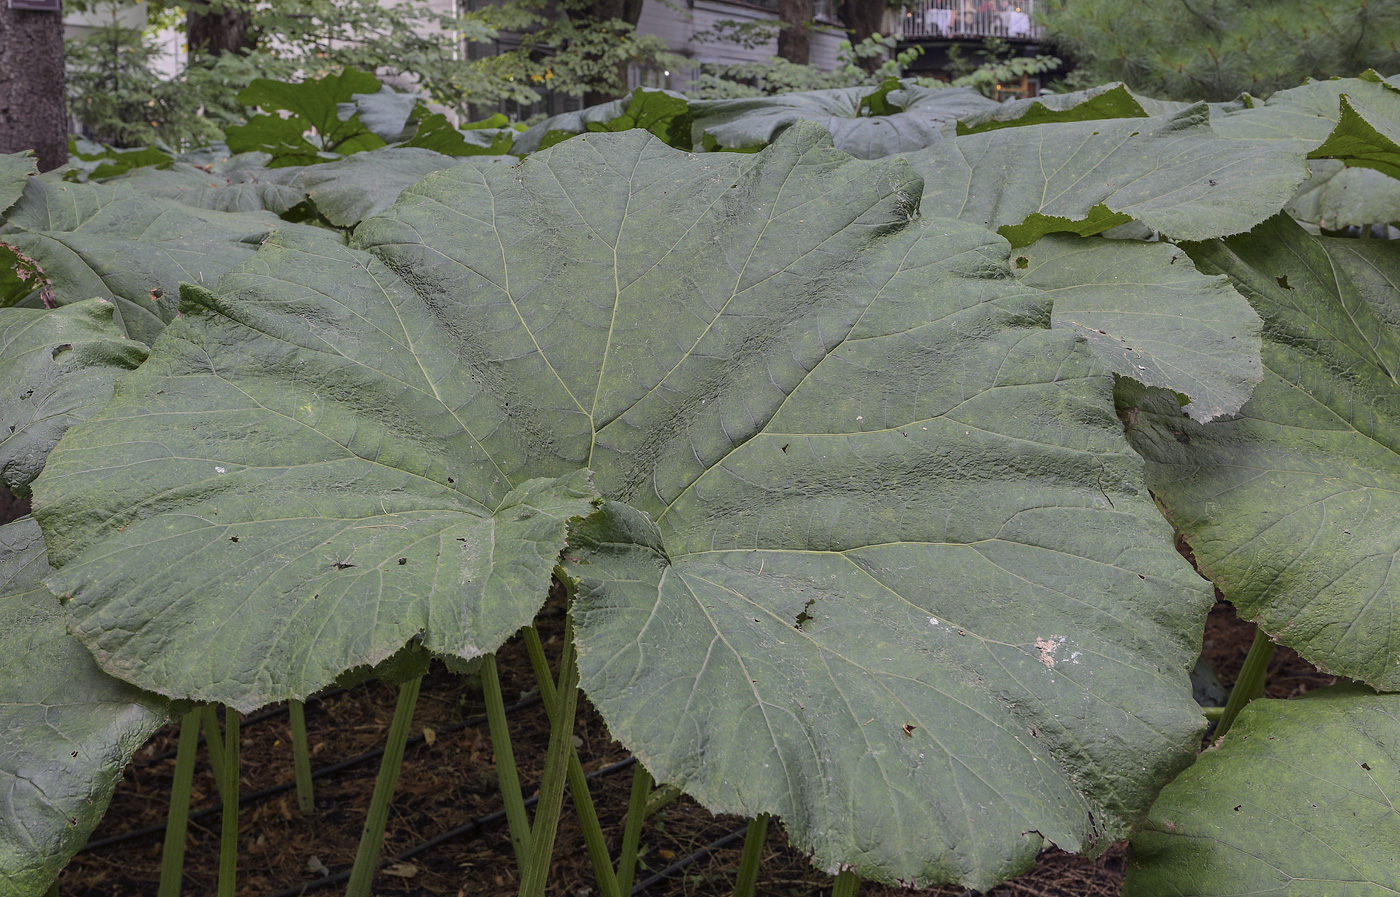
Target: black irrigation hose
248, 721
470, 827
288, 786
698, 855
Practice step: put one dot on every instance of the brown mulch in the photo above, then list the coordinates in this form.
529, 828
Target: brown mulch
448, 780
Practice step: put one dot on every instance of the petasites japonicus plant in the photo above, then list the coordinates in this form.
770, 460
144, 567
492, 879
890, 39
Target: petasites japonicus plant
66, 728
1291, 506
856, 536
1298, 800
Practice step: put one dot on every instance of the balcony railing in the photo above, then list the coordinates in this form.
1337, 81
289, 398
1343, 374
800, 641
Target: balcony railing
970, 18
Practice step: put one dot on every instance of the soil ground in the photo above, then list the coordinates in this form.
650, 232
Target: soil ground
449, 779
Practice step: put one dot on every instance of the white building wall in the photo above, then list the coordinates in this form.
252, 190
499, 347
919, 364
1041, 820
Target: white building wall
678, 25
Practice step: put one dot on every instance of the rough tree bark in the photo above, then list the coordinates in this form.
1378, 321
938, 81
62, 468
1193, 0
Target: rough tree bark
863, 18
795, 40
33, 111
216, 28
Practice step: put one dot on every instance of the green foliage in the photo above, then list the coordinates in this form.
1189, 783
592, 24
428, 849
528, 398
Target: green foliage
88, 160
855, 471
779, 76
1217, 49
1324, 769
761, 79
312, 129
999, 70
119, 99
124, 103
66, 728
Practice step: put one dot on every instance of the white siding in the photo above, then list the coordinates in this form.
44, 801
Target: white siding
678, 25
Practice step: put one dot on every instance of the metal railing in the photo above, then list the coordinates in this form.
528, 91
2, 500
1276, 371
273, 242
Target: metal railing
970, 18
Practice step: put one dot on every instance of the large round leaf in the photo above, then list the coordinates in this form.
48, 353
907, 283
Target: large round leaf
661, 112
58, 367
1292, 507
365, 184
876, 560
1171, 172
841, 444
1337, 197
241, 189
923, 114
15, 171
66, 728
1112, 100
294, 484
1149, 315
1299, 800
113, 242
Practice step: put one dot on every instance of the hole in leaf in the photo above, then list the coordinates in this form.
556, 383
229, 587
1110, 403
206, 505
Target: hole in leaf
403, 561
1022, 262
1283, 281
803, 618
59, 350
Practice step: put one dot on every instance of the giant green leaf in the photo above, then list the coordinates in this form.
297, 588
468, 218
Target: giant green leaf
114, 243
15, 171
489, 137
1299, 800
58, 367
1148, 314
757, 121
877, 557
1367, 136
803, 404
1170, 172
1292, 508
312, 129
1337, 197
386, 113
1106, 101
661, 112
351, 190
66, 728
309, 468
242, 189
95, 161
1356, 120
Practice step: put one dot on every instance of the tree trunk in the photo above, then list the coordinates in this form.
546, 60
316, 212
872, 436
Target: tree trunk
216, 29
33, 110
863, 18
795, 40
